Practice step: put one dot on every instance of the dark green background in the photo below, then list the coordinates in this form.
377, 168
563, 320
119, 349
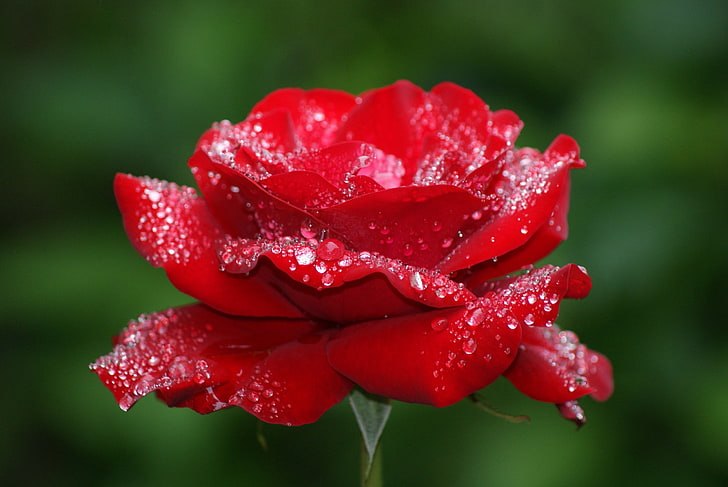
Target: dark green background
90, 88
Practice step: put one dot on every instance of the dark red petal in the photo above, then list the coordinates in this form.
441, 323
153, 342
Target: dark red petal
552, 366
172, 228
316, 114
534, 298
388, 119
542, 243
331, 282
522, 200
293, 385
192, 351
434, 358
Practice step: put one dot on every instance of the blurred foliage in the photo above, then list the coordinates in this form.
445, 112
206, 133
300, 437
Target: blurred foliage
95, 87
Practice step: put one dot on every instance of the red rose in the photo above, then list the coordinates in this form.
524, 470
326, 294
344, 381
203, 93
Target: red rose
342, 240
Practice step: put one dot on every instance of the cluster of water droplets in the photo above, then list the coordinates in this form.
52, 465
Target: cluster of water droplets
262, 395
572, 361
476, 336
166, 223
154, 352
328, 263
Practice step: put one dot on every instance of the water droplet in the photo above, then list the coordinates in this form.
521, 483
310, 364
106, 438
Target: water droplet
305, 255
439, 324
407, 250
529, 319
469, 346
524, 230
308, 229
327, 279
436, 226
330, 249
416, 281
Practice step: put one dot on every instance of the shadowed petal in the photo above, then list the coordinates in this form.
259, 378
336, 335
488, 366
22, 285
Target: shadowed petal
329, 281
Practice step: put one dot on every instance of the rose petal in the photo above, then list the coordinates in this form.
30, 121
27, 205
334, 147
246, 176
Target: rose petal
419, 226
535, 297
293, 385
506, 125
523, 199
172, 228
316, 114
331, 282
434, 358
552, 366
192, 351
462, 140
233, 197
388, 119
543, 242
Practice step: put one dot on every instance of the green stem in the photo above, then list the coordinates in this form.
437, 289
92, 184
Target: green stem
371, 473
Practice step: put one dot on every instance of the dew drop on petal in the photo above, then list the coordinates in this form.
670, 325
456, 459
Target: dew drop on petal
469, 346
305, 255
330, 249
439, 324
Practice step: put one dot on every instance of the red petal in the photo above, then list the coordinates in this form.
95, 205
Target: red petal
193, 356
293, 385
316, 114
552, 366
541, 244
506, 125
418, 225
234, 198
388, 119
535, 297
331, 282
172, 228
522, 200
434, 358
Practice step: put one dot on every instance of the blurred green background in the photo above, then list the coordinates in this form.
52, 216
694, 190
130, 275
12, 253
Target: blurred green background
95, 87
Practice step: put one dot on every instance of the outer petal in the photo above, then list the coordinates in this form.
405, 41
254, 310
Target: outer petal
434, 358
534, 298
198, 358
316, 114
331, 282
521, 202
552, 366
293, 385
172, 228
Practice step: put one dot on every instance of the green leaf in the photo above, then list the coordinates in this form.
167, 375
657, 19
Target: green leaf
371, 414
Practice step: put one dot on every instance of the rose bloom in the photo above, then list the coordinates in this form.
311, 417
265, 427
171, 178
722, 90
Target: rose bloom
342, 240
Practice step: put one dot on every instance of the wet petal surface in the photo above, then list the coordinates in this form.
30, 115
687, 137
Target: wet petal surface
198, 358
552, 366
